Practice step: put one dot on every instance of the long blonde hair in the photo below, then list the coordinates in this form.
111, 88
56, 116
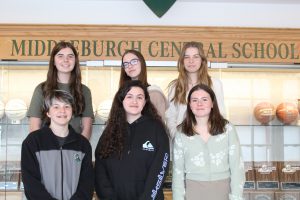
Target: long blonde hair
181, 83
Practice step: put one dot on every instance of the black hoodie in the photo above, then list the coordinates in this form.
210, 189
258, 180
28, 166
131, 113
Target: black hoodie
142, 168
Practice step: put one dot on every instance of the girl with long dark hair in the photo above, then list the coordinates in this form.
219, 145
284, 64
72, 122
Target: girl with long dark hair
64, 74
132, 154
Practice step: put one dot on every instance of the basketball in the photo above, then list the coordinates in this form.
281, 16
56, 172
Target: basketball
287, 112
104, 109
264, 112
1, 109
15, 109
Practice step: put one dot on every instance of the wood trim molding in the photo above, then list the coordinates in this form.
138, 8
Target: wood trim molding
108, 42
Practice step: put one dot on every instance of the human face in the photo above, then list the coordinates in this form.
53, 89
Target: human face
64, 60
60, 113
134, 103
192, 60
201, 104
132, 70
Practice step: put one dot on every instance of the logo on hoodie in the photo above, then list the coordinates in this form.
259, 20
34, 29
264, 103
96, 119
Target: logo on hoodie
77, 157
160, 176
147, 146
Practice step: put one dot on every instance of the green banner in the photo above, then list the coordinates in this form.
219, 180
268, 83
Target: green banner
159, 7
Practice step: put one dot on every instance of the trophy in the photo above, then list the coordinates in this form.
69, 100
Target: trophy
289, 175
287, 195
266, 174
250, 176
262, 195
9, 176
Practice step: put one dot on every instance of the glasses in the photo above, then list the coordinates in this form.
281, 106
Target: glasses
132, 62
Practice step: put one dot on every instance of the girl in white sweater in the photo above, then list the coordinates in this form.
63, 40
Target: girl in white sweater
192, 68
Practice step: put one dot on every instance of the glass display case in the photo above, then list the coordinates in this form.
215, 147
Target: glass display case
269, 133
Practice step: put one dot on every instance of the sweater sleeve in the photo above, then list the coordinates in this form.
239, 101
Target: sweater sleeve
103, 186
31, 176
236, 164
178, 189
159, 167
85, 186
218, 90
158, 99
171, 114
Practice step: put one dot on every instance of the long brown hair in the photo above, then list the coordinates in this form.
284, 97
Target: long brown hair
216, 122
112, 138
51, 82
142, 76
181, 83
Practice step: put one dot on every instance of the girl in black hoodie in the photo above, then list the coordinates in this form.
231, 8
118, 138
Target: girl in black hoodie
132, 155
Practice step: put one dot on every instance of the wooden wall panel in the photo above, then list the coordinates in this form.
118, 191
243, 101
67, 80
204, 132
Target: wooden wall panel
108, 42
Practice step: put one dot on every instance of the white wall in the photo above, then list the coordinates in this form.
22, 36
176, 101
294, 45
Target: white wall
135, 12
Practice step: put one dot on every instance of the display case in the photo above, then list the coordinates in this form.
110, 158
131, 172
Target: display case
271, 147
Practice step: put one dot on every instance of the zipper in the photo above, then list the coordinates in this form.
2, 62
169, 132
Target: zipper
62, 165
62, 174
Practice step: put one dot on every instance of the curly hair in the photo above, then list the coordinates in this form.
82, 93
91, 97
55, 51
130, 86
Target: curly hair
216, 122
181, 83
51, 82
113, 136
142, 76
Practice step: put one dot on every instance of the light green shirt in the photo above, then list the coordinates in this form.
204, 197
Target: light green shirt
217, 159
37, 100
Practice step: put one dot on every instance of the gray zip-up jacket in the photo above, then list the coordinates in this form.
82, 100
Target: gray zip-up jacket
53, 172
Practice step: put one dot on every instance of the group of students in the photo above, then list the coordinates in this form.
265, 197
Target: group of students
133, 153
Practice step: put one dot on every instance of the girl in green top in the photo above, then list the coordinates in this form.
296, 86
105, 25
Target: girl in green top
207, 161
64, 74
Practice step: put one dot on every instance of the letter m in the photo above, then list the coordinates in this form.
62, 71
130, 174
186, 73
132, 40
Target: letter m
15, 50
